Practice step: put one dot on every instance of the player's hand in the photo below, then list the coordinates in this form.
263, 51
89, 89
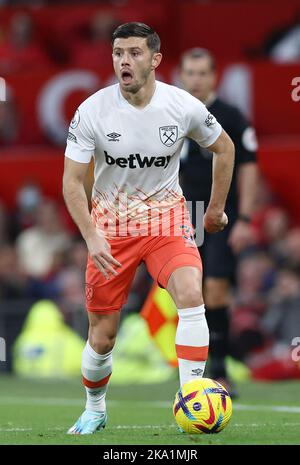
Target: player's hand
100, 252
214, 221
241, 236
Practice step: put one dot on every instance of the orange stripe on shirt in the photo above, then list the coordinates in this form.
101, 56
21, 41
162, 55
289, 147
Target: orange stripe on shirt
196, 354
95, 384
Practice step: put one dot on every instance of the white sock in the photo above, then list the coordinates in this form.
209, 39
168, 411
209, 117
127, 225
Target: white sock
192, 339
96, 370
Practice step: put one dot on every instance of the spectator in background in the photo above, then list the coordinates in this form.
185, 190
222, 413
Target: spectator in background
283, 44
28, 198
280, 325
13, 283
77, 256
288, 250
71, 277
95, 48
4, 225
71, 290
255, 277
271, 225
20, 50
282, 319
40, 246
275, 225
9, 122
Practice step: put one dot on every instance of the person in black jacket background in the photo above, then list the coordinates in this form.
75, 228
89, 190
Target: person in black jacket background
219, 251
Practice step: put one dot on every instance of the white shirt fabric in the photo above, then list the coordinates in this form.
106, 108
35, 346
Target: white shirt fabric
137, 151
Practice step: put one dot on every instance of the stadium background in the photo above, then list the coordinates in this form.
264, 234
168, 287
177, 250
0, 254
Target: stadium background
52, 56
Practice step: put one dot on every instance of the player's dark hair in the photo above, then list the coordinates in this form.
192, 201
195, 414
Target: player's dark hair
198, 52
138, 30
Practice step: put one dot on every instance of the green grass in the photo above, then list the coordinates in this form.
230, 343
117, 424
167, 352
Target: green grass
40, 412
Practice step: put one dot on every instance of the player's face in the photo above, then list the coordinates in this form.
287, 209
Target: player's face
198, 77
133, 62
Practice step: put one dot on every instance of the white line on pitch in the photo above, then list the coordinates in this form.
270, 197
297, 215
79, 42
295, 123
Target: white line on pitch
156, 404
267, 408
14, 429
142, 427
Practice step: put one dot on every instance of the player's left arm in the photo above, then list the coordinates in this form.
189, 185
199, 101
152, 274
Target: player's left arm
208, 133
215, 219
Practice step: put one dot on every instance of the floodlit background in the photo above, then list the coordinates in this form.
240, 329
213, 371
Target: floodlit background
52, 56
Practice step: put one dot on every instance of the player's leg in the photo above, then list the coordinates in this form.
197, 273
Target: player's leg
219, 267
104, 299
175, 263
97, 358
96, 368
192, 336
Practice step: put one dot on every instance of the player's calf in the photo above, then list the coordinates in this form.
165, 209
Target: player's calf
192, 336
102, 331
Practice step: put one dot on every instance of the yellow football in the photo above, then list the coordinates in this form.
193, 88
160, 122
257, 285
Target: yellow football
202, 406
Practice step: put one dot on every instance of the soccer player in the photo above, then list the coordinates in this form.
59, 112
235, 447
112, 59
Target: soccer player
198, 76
135, 130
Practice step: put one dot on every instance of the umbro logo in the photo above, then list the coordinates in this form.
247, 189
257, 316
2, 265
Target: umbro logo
197, 372
113, 137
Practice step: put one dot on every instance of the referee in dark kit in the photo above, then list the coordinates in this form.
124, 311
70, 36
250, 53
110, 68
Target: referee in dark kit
219, 251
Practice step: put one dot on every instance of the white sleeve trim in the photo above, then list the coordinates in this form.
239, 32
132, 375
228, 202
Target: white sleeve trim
212, 139
81, 156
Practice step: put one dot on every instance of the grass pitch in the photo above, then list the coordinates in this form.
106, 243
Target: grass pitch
40, 412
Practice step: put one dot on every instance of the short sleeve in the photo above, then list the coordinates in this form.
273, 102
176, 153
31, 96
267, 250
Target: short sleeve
202, 126
80, 140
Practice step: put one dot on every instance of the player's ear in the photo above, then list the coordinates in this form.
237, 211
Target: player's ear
156, 59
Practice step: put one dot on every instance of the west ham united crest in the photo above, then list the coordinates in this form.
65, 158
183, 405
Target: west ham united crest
168, 135
89, 291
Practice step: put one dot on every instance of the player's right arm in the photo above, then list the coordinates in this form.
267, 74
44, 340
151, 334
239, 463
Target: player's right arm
77, 204
79, 152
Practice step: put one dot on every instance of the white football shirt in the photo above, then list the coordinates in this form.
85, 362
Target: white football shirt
137, 151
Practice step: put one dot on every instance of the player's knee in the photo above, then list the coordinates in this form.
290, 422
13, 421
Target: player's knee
189, 295
185, 287
101, 343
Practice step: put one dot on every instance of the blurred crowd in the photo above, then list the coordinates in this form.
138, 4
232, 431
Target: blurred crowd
85, 42
24, 45
266, 298
42, 256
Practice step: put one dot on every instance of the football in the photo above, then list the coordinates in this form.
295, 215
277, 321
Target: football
202, 406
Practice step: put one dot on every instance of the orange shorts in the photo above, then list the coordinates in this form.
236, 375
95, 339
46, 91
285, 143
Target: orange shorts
161, 254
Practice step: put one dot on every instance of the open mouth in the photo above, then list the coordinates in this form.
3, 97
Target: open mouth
126, 76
